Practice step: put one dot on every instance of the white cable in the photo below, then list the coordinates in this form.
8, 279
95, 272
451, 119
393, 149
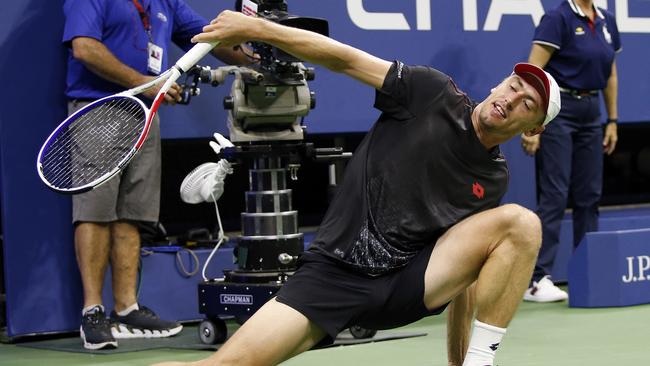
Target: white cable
222, 168
205, 184
220, 238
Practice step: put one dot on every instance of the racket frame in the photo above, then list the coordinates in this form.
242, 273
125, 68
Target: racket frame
170, 76
73, 117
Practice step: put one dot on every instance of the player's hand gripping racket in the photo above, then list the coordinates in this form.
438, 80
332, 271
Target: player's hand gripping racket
99, 140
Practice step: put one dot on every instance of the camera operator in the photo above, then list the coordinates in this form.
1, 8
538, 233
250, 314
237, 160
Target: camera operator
416, 226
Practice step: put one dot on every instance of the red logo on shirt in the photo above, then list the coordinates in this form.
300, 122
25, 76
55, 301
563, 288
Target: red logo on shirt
478, 190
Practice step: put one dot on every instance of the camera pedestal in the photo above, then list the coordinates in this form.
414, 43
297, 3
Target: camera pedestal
270, 243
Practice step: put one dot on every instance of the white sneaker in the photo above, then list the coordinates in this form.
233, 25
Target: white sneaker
545, 291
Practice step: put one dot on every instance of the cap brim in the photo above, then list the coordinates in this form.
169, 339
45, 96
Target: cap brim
537, 78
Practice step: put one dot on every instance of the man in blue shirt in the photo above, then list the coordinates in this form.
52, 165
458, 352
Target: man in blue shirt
116, 45
576, 43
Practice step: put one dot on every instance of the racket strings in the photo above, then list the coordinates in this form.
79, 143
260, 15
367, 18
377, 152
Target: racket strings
94, 144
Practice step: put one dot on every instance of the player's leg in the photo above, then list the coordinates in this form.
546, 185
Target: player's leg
273, 334
496, 248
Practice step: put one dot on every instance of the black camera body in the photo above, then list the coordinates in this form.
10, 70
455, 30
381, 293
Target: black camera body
272, 64
262, 5
276, 11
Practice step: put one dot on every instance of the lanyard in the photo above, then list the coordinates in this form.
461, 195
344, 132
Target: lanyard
143, 16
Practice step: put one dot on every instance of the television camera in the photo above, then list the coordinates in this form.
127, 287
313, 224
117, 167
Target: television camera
270, 97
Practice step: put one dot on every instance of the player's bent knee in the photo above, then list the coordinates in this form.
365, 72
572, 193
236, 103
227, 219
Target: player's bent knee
524, 225
521, 218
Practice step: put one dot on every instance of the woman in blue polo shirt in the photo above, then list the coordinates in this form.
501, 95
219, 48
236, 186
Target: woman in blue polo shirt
576, 43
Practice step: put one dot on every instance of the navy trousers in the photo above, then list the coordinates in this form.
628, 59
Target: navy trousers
569, 162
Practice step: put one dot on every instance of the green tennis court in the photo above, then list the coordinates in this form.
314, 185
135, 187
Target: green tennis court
540, 335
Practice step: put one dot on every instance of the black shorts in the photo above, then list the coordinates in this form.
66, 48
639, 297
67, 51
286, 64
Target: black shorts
335, 297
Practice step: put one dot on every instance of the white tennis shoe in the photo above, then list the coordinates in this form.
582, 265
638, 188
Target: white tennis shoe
545, 291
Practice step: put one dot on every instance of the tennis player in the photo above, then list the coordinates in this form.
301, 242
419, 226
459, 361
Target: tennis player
416, 225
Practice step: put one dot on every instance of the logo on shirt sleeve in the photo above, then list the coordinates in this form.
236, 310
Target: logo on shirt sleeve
478, 190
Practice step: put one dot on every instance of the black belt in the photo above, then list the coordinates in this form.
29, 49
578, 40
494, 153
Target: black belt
579, 93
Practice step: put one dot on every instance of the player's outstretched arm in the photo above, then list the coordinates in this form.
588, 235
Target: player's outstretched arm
231, 28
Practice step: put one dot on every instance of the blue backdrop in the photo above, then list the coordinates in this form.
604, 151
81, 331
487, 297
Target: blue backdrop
476, 42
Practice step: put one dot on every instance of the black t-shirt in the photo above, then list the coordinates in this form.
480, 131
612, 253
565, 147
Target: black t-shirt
418, 171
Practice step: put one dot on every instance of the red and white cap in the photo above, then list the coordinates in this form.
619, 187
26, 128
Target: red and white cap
545, 85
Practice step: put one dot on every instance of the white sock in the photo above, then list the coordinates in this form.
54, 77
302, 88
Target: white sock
90, 308
128, 310
483, 344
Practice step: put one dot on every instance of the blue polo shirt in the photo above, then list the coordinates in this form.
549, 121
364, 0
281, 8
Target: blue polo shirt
584, 51
117, 24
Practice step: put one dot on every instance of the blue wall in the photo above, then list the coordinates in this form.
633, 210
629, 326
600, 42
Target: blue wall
476, 47
40, 270
38, 255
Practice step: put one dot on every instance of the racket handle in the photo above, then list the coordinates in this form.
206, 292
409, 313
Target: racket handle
195, 54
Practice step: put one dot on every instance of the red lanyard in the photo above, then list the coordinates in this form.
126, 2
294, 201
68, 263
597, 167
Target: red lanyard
143, 15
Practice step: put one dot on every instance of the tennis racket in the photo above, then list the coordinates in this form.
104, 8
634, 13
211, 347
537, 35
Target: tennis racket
95, 143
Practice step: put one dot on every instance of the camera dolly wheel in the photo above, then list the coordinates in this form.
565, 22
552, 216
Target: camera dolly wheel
212, 331
362, 333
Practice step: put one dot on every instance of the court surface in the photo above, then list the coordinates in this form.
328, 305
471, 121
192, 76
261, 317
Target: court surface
540, 335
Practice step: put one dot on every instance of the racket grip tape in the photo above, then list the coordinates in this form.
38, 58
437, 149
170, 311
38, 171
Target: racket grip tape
194, 55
